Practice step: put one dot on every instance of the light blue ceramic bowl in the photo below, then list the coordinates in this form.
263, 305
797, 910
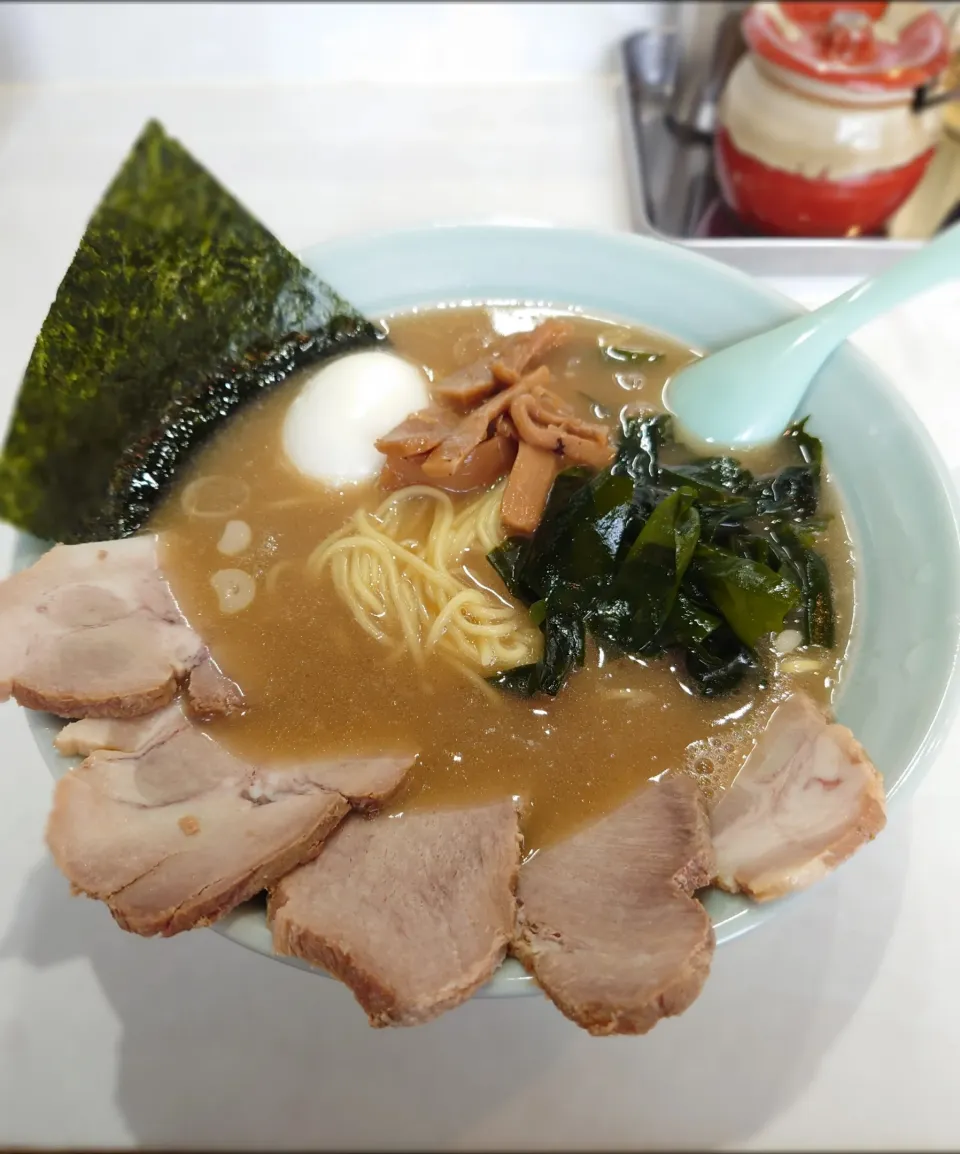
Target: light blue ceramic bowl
899, 693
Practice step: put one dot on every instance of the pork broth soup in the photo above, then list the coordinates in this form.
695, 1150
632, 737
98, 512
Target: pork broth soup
269, 568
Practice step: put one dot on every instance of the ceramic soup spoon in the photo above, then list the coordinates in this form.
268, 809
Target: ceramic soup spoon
746, 394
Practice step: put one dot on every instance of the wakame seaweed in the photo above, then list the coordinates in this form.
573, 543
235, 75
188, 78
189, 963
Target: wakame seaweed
178, 308
702, 558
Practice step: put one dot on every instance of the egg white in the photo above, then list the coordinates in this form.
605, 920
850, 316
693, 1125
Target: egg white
331, 426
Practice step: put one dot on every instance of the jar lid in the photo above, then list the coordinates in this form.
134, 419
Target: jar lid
868, 47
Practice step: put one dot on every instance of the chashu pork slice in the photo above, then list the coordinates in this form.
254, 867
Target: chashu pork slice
606, 921
413, 913
180, 832
94, 631
124, 734
805, 800
210, 693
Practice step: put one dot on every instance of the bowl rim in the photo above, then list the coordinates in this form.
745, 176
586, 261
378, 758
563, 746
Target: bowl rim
246, 925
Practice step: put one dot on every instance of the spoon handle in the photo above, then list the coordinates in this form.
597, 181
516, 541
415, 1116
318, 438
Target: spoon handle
745, 394
935, 262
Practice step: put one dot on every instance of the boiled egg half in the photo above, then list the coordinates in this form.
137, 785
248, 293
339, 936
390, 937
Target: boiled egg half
342, 408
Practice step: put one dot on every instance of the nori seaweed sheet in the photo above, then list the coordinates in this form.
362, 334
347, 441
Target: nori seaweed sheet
178, 307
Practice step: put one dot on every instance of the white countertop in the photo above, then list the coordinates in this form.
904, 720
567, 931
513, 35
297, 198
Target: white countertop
835, 1025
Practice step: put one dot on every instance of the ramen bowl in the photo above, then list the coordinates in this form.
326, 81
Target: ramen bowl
898, 693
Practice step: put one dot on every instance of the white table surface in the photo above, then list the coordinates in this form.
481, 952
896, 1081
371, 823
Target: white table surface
836, 1025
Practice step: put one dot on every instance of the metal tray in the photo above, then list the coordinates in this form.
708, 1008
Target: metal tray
674, 194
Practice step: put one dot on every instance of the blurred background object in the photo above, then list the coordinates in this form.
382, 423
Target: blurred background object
819, 134
712, 42
935, 202
819, 131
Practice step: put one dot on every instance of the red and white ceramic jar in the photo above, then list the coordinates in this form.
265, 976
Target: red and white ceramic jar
817, 133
